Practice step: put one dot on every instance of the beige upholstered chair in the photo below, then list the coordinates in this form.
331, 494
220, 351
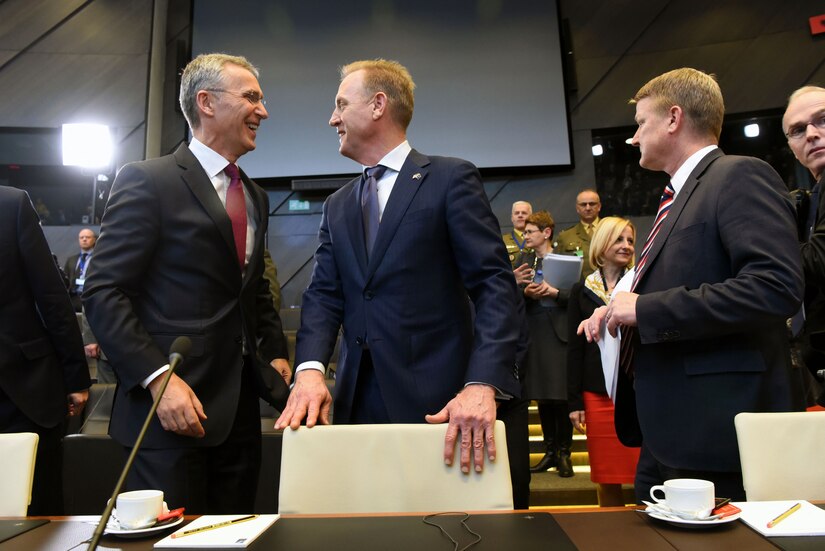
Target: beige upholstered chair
385, 468
17, 474
782, 455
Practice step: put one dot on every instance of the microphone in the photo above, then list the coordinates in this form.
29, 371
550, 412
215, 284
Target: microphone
177, 353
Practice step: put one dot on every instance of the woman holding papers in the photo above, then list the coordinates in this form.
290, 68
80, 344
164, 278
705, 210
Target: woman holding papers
545, 380
611, 464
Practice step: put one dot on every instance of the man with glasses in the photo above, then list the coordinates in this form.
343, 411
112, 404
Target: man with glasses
576, 239
181, 254
804, 126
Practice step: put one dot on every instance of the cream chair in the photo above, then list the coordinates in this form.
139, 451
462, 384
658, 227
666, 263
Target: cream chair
385, 468
782, 455
17, 474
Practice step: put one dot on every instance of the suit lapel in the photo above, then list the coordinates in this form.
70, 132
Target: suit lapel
678, 206
412, 174
203, 190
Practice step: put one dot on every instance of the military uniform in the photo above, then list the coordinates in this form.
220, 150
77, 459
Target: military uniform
514, 241
575, 240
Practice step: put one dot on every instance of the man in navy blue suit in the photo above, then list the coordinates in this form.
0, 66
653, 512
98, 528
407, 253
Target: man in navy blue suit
429, 315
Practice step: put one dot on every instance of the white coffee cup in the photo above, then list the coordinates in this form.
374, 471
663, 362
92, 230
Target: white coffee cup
689, 496
138, 509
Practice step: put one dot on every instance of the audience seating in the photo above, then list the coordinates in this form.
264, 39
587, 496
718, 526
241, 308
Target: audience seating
385, 468
781, 455
17, 474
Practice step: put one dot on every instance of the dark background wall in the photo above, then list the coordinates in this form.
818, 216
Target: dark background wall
61, 61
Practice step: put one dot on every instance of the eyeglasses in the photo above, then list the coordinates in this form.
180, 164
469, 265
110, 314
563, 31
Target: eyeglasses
530, 232
798, 131
591, 204
251, 96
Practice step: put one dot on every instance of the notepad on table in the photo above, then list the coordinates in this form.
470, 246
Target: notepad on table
224, 537
809, 520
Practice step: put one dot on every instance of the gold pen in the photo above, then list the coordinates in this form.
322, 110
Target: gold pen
784, 515
213, 526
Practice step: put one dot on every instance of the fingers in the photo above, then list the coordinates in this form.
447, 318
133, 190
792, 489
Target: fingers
180, 411
310, 399
449, 443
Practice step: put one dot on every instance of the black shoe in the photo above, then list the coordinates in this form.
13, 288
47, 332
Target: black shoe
545, 463
565, 466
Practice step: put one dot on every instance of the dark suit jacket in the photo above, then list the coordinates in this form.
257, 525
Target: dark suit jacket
438, 242
722, 277
813, 264
70, 269
584, 360
41, 350
165, 266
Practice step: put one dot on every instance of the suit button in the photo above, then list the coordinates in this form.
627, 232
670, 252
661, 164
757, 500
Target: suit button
368, 295
359, 341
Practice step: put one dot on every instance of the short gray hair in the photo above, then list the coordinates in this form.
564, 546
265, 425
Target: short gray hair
202, 73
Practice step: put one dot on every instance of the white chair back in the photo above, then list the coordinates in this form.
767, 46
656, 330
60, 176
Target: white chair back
385, 468
17, 473
782, 455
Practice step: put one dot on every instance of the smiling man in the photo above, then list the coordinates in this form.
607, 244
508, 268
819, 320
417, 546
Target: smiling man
181, 254
406, 251
703, 330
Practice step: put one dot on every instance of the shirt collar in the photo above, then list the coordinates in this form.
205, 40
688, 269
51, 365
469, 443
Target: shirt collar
211, 161
395, 159
681, 175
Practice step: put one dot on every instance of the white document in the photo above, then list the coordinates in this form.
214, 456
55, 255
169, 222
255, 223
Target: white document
809, 520
561, 271
609, 346
225, 537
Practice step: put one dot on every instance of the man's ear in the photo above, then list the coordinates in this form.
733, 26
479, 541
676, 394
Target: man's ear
677, 118
206, 103
379, 105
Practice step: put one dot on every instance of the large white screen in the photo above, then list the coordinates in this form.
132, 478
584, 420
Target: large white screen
488, 75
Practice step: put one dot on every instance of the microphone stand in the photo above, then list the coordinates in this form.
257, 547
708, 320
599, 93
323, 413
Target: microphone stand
175, 358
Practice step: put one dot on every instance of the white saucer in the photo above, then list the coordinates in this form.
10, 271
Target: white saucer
111, 530
684, 523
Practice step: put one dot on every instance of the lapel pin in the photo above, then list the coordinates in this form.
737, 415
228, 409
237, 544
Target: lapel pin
416, 176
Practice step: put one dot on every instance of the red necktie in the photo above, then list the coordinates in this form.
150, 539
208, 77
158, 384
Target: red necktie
628, 333
236, 209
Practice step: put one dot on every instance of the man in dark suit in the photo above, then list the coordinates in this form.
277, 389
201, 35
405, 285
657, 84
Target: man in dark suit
411, 344
703, 331
43, 372
804, 126
77, 265
181, 253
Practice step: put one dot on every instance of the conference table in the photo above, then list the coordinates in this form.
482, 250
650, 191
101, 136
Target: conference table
584, 529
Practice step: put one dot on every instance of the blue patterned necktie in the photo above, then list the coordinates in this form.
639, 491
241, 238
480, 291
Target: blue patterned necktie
369, 204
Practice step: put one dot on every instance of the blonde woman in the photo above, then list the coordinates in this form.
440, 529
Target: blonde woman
611, 464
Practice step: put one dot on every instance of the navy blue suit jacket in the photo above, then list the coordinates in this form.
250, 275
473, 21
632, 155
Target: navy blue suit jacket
437, 254
722, 277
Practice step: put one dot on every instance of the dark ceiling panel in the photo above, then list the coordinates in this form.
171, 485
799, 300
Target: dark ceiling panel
24, 21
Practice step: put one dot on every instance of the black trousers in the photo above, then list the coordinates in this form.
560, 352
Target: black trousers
222, 479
